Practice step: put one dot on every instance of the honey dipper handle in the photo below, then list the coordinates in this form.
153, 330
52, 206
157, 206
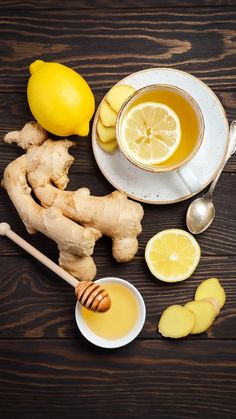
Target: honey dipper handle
5, 230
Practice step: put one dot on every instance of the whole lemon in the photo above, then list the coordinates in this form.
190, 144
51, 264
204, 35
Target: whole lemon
60, 99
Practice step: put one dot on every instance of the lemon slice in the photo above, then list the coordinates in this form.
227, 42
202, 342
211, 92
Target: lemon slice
150, 133
172, 255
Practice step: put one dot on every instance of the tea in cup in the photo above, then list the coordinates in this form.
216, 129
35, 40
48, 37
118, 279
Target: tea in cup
160, 128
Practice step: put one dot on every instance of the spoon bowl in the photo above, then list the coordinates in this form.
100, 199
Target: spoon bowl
200, 215
201, 212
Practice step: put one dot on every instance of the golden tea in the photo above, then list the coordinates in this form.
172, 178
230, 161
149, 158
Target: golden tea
188, 113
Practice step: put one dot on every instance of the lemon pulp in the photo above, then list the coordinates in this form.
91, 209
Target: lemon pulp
172, 255
150, 133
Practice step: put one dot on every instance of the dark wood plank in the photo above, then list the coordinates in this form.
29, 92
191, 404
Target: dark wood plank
219, 239
106, 45
68, 379
85, 4
34, 303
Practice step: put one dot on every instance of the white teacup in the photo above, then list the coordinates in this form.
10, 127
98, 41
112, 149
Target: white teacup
177, 163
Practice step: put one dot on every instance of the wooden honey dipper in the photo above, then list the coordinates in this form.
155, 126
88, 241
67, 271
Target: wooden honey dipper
88, 293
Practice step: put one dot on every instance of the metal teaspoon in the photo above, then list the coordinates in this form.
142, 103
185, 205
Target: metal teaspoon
201, 211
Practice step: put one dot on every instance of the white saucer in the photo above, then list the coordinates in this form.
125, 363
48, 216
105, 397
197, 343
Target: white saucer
166, 188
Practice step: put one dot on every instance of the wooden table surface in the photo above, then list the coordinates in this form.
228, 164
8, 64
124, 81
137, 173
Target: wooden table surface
47, 369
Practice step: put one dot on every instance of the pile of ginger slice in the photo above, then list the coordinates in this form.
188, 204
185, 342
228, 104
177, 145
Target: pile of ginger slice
75, 220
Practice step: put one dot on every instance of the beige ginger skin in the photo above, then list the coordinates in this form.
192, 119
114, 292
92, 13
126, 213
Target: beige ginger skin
46, 167
113, 215
77, 244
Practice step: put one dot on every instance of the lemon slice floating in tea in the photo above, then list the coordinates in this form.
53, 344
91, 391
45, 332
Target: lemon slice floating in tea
172, 255
151, 133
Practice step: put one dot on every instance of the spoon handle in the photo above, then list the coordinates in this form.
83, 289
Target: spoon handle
231, 151
5, 230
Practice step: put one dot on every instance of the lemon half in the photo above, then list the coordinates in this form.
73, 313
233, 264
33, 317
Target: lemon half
172, 255
150, 133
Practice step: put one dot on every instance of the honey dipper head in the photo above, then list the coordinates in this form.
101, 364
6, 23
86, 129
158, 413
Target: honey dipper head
92, 296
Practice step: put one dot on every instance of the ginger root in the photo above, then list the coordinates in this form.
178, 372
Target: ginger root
176, 322
109, 146
215, 304
117, 95
211, 288
113, 215
31, 133
204, 313
106, 134
73, 219
77, 241
107, 115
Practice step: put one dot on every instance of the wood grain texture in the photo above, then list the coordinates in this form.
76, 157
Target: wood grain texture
68, 379
35, 303
106, 45
47, 369
97, 4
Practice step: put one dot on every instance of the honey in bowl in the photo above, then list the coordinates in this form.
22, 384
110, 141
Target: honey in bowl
120, 319
187, 112
121, 324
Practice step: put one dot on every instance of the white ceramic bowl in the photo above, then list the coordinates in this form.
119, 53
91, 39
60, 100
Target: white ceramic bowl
113, 343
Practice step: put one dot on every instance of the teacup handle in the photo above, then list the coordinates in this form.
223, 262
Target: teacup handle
189, 178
